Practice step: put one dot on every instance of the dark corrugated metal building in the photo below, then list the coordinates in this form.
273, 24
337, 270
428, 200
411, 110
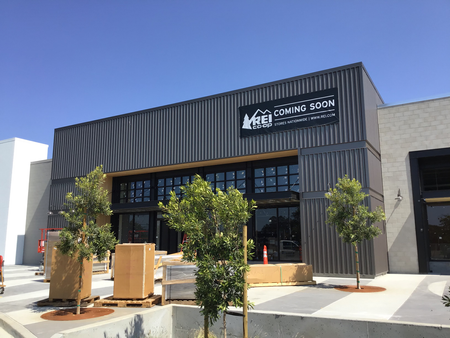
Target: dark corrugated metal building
282, 144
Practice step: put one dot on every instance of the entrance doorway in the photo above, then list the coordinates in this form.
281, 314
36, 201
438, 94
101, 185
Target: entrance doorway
438, 217
279, 230
134, 228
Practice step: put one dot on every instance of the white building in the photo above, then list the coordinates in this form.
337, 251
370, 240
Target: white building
16, 156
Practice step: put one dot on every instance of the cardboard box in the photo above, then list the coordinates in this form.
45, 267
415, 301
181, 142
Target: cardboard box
65, 274
299, 272
134, 271
52, 240
263, 273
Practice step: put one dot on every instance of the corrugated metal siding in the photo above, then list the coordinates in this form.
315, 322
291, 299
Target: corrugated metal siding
324, 249
204, 129
58, 191
317, 170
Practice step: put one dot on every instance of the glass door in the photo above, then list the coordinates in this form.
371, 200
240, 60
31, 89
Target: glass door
266, 233
439, 231
134, 228
279, 230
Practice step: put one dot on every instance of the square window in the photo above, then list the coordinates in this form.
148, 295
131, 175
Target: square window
282, 180
283, 188
283, 170
131, 200
147, 184
295, 188
240, 174
271, 181
220, 176
210, 177
123, 186
259, 190
146, 192
231, 175
259, 182
185, 180
270, 171
123, 200
169, 181
137, 200
230, 184
161, 182
259, 172
160, 198
192, 178
160, 191
168, 190
177, 190
146, 199
123, 194
139, 193
139, 185
293, 179
242, 191
240, 184
132, 185
220, 185
131, 193
293, 169
177, 181
271, 189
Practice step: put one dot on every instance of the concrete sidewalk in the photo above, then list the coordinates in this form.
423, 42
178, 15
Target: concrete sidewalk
408, 298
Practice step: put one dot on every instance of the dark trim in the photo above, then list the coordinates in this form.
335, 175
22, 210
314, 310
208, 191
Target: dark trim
419, 203
333, 148
274, 198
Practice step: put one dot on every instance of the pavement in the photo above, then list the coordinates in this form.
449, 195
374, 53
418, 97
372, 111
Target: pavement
408, 298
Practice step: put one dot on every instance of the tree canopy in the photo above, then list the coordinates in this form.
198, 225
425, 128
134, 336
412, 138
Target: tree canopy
213, 223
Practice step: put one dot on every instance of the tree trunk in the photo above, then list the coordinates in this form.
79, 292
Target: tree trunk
357, 266
206, 327
224, 325
80, 279
245, 302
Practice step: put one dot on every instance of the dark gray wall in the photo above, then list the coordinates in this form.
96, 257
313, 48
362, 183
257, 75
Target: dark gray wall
208, 129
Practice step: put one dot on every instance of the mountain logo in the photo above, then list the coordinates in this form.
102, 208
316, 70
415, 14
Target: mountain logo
260, 119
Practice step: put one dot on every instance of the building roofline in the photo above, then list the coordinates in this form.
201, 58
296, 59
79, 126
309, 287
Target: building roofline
431, 98
209, 97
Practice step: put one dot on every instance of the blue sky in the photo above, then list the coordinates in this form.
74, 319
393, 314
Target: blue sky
68, 62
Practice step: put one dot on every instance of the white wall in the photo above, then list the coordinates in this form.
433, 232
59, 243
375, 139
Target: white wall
15, 158
404, 128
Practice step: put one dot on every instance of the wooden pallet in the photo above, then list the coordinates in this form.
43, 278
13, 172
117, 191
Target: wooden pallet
256, 285
99, 272
144, 303
180, 301
67, 302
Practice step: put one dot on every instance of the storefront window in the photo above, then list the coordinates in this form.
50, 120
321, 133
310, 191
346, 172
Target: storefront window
166, 185
227, 179
280, 178
135, 192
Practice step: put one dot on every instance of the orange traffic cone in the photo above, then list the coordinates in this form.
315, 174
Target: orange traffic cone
265, 260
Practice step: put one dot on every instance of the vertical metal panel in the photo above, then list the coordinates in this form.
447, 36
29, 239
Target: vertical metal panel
324, 249
319, 170
204, 129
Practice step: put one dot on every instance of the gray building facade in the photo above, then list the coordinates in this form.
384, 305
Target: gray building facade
281, 143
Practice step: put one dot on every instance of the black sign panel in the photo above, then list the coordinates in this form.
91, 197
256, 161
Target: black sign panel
293, 112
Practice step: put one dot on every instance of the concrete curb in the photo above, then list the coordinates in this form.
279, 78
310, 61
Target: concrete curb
14, 328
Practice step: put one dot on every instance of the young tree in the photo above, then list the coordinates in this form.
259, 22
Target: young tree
213, 224
83, 237
353, 220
